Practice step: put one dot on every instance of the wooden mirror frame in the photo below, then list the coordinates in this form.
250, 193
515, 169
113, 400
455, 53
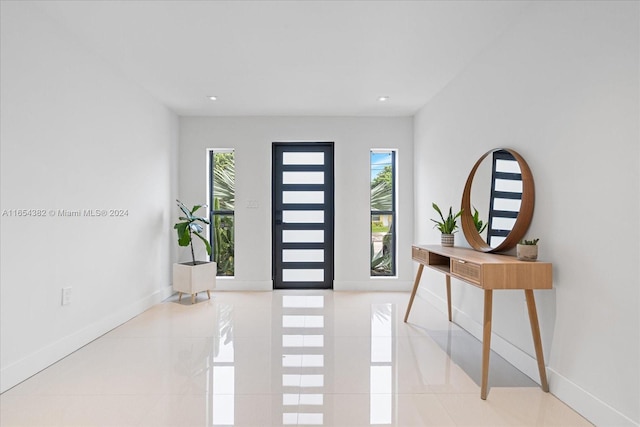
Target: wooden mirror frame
524, 216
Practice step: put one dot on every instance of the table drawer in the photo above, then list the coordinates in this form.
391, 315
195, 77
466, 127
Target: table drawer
466, 270
420, 255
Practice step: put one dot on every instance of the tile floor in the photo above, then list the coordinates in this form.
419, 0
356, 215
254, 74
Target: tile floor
282, 358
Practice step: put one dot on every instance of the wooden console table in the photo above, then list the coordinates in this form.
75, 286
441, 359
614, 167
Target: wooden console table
487, 271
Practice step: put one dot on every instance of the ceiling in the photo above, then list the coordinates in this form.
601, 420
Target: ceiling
319, 58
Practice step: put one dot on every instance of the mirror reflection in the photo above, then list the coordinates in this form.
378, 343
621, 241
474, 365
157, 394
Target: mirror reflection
496, 195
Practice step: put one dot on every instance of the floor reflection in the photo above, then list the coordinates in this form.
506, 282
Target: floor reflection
221, 382
282, 358
303, 359
382, 372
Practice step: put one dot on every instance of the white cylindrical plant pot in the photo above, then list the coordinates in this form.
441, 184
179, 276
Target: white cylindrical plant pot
527, 252
446, 239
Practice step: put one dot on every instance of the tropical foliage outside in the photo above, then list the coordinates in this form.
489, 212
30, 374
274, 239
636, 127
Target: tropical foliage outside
222, 221
382, 214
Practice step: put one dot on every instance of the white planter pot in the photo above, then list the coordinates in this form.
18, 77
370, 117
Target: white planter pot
191, 279
527, 252
447, 239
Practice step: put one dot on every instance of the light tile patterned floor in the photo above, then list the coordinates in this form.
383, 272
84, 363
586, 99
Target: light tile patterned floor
282, 358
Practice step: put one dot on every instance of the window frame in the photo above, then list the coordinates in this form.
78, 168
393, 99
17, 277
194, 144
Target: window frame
393, 212
222, 212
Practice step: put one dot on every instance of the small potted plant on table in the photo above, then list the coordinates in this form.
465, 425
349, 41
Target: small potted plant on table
447, 226
195, 276
527, 250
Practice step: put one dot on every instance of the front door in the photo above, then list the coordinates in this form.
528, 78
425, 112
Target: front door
302, 215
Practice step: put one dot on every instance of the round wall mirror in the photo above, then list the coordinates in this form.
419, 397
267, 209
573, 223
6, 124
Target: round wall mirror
497, 203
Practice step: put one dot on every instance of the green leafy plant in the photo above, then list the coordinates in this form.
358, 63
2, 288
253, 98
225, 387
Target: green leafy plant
448, 225
529, 242
480, 225
381, 196
381, 261
224, 241
382, 200
222, 222
190, 226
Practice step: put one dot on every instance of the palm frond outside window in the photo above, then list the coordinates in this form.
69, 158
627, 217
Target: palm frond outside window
383, 212
222, 210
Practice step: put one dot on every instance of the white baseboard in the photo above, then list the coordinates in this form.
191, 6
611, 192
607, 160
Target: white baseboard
583, 402
372, 285
30, 365
586, 404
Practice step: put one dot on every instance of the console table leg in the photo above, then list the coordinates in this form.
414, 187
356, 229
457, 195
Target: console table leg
486, 341
413, 293
449, 296
537, 342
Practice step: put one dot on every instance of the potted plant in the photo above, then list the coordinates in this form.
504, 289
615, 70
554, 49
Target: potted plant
195, 276
527, 250
447, 226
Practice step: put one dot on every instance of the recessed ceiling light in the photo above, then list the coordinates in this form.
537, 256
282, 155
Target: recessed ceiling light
213, 98
383, 98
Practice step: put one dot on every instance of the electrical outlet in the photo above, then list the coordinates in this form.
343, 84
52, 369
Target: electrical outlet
66, 296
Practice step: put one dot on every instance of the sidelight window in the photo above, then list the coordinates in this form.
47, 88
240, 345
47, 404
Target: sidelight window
383, 212
221, 210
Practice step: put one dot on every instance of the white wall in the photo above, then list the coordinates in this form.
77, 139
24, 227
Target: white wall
252, 138
76, 135
560, 87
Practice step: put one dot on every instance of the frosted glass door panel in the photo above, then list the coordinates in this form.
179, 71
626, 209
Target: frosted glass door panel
497, 240
302, 236
509, 166
302, 197
303, 255
302, 275
501, 223
296, 217
301, 158
303, 177
509, 185
507, 205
